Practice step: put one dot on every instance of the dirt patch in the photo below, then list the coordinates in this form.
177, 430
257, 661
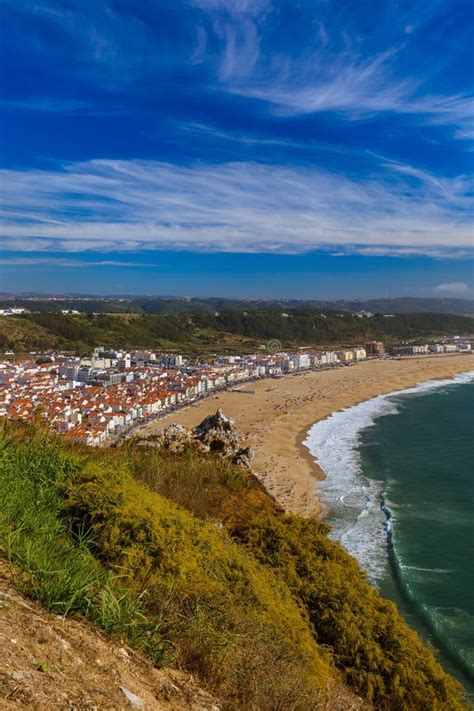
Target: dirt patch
52, 663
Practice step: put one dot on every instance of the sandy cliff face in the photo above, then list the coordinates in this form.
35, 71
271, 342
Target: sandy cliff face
50, 663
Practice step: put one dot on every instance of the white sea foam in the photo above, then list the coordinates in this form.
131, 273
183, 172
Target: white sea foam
445, 571
355, 504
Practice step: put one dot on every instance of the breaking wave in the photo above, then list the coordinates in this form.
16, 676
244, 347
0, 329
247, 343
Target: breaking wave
356, 506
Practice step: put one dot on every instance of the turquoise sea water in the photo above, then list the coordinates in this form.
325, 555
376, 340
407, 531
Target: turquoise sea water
425, 454
400, 495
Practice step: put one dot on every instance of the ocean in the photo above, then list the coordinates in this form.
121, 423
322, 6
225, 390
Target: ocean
399, 491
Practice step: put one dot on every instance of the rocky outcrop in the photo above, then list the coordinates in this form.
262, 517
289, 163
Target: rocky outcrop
175, 438
243, 458
216, 433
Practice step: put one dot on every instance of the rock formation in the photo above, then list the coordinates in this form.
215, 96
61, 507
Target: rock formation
216, 433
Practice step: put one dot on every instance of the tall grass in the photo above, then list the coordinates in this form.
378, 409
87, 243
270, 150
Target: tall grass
48, 564
200, 482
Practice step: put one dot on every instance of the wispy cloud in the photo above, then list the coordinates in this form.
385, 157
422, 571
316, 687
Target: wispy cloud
237, 25
392, 251
308, 58
107, 205
327, 82
65, 262
356, 87
332, 69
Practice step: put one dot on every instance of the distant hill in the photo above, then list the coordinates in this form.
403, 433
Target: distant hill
174, 305
220, 331
410, 305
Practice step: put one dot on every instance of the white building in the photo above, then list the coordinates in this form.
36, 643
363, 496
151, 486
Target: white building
171, 361
300, 361
84, 374
69, 370
345, 356
329, 358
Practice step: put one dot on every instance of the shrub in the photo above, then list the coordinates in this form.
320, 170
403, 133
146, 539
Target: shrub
230, 621
381, 657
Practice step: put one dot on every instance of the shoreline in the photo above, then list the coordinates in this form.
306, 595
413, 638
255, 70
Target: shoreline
276, 417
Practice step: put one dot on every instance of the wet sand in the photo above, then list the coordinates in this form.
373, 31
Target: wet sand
274, 419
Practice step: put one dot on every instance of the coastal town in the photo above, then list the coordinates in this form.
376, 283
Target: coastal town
99, 399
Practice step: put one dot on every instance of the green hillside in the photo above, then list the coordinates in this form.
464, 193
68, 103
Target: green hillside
219, 331
189, 560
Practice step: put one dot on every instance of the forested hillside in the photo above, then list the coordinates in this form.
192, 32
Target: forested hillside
175, 305
219, 331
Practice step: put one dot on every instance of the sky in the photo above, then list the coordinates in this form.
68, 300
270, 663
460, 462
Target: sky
253, 148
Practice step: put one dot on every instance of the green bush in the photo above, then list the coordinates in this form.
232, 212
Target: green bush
204, 484
229, 620
381, 657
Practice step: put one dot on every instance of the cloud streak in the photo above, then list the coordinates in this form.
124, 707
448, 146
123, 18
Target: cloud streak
107, 205
66, 262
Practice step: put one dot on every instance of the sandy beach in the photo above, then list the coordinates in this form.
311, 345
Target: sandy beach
273, 416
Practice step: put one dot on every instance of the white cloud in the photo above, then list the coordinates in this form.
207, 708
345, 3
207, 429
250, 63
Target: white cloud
393, 251
64, 262
354, 86
459, 288
235, 23
107, 205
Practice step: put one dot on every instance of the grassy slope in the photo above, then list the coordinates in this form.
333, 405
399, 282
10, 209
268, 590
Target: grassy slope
82, 333
263, 607
207, 332
25, 335
87, 538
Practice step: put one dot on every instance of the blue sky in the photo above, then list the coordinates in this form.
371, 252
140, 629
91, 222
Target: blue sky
312, 149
